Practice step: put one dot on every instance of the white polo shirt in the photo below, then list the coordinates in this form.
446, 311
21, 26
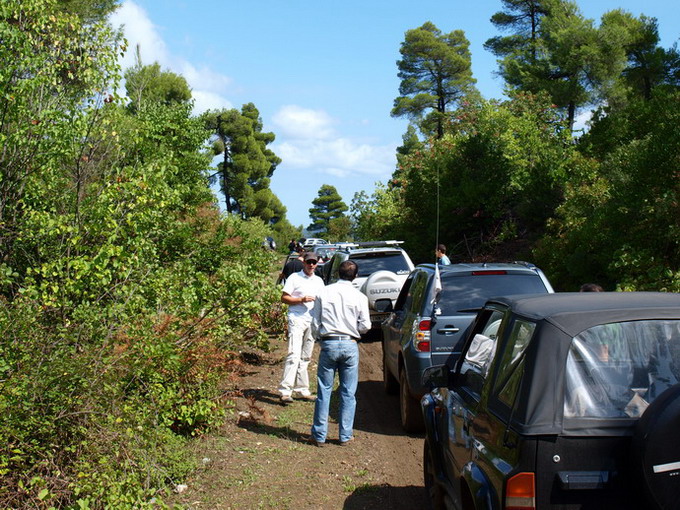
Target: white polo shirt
298, 285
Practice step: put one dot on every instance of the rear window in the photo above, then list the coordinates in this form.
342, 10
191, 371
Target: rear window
461, 293
369, 263
616, 370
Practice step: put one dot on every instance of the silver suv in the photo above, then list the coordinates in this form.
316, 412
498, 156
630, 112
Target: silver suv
426, 328
383, 268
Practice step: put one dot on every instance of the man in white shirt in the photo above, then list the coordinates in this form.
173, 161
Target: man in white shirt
299, 292
339, 317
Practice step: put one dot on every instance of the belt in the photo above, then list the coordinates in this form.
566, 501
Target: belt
337, 337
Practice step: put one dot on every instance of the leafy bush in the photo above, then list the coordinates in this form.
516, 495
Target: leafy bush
124, 293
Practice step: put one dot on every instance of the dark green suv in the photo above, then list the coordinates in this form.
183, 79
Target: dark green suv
562, 401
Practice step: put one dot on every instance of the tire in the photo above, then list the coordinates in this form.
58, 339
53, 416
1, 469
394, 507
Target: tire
390, 383
411, 415
656, 444
435, 493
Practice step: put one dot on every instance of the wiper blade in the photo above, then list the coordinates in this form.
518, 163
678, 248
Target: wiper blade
469, 310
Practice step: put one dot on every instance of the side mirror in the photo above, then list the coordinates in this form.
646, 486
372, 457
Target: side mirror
437, 376
383, 305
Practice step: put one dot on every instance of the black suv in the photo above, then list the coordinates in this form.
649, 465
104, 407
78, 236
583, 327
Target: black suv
426, 328
561, 401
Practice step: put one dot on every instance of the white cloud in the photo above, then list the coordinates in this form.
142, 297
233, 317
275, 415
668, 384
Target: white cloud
139, 30
300, 123
204, 101
208, 87
340, 157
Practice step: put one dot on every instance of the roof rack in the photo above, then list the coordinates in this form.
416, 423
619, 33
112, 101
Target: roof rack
370, 244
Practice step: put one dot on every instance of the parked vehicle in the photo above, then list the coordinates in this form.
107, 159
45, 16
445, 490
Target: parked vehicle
312, 242
383, 268
420, 332
561, 401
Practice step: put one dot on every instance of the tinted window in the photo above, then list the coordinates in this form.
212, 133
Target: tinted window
481, 351
616, 370
405, 296
512, 364
369, 263
469, 292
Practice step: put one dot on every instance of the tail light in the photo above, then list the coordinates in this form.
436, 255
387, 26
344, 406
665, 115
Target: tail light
422, 339
520, 492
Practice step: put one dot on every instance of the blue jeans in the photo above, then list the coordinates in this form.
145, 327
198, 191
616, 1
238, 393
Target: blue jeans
340, 356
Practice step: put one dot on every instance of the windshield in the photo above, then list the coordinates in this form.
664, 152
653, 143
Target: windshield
369, 263
616, 370
465, 293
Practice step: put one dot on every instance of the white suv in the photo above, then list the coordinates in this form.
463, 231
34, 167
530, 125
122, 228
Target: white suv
383, 269
312, 242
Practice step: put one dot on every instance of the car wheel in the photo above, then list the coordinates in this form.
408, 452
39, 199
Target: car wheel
435, 493
411, 415
656, 450
390, 383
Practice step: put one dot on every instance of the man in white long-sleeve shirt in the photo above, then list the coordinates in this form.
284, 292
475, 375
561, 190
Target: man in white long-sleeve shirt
339, 316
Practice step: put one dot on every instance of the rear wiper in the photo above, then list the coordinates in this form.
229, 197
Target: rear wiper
469, 310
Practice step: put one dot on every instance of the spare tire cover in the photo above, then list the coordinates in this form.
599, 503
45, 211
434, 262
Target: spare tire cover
656, 449
382, 285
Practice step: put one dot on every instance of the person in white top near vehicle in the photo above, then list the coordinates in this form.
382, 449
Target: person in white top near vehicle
299, 293
339, 316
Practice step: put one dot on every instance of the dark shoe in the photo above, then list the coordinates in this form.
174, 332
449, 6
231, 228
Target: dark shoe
308, 398
348, 442
316, 443
286, 399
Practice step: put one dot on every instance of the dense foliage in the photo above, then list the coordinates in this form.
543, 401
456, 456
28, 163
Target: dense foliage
124, 293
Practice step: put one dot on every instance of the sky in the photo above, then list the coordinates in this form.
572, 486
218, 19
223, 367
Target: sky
323, 74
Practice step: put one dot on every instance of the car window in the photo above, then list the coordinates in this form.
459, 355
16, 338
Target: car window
616, 370
481, 351
418, 293
405, 296
469, 292
369, 263
511, 367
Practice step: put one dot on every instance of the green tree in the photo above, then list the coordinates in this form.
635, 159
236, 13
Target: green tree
148, 84
498, 174
522, 18
565, 55
89, 11
247, 164
435, 73
619, 222
378, 216
328, 206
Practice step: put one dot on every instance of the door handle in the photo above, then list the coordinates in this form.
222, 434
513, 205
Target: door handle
448, 329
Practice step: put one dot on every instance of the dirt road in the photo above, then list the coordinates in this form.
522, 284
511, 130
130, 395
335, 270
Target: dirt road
261, 458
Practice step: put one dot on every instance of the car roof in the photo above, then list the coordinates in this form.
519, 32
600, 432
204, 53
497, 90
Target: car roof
466, 267
573, 312
361, 251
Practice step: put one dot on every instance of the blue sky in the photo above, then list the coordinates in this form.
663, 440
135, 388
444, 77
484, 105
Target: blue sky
322, 74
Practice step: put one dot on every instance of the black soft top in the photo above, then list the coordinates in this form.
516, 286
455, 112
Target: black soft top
559, 318
573, 312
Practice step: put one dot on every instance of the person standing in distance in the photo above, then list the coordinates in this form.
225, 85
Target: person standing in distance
440, 253
299, 293
339, 316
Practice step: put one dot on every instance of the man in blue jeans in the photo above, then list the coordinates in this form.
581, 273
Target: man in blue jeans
339, 316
